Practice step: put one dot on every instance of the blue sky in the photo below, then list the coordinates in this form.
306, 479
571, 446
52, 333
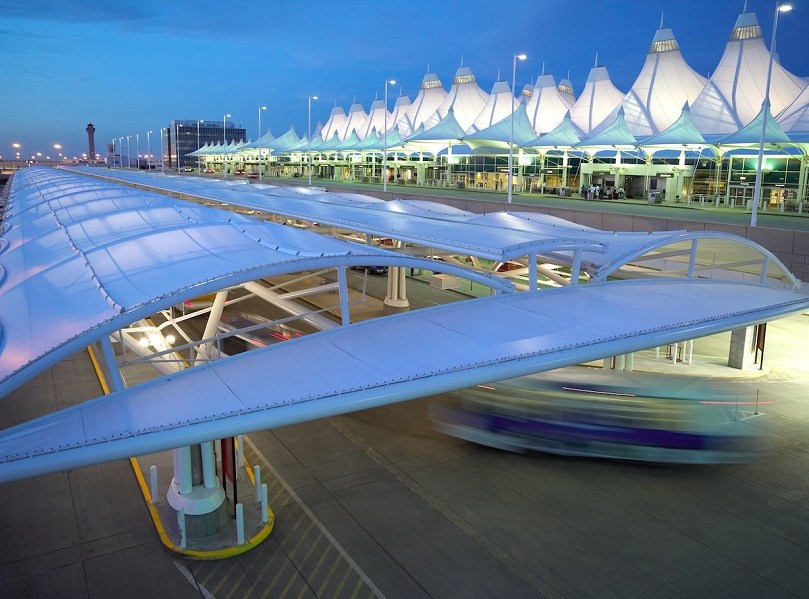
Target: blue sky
129, 67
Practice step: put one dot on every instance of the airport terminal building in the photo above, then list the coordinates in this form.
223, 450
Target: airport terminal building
674, 134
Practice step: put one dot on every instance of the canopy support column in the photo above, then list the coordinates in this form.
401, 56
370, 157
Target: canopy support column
212, 327
342, 285
196, 489
396, 297
575, 270
532, 272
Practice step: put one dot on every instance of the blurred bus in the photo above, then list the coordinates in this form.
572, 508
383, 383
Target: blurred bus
622, 415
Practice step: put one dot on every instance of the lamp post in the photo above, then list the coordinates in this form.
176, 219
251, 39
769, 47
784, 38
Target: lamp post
128, 152
509, 183
199, 160
162, 153
309, 138
113, 152
260, 108
177, 146
765, 110
137, 148
224, 143
385, 137
121, 152
149, 151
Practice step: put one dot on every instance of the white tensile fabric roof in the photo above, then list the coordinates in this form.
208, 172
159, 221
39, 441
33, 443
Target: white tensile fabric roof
719, 107
680, 132
501, 104
664, 84
431, 95
335, 124
548, 105
795, 117
734, 94
465, 99
399, 118
515, 126
564, 135
357, 121
376, 119
599, 98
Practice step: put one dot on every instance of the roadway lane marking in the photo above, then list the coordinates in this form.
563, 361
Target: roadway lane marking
190, 577
315, 520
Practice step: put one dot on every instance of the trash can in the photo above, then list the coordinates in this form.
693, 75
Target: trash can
652, 198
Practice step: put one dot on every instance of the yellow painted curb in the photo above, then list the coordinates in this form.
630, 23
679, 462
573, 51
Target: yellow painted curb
215, 554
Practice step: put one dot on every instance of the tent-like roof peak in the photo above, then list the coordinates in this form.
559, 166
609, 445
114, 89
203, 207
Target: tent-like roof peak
746, 27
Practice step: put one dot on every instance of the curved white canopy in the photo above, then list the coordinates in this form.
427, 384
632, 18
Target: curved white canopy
496, 236
471, 342
82, 258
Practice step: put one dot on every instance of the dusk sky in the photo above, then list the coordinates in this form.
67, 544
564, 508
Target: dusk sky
130, 67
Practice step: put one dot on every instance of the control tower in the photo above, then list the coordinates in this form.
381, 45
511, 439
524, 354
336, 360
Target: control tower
91, 153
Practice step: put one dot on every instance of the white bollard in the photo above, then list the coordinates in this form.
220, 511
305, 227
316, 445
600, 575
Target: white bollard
239, 524
181, 527
257, 476
264, 510
153, 483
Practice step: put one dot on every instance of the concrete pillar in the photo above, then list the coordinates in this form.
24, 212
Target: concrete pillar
742, 348
396, 297
802, 178
564, 168
542, 163
727, 183
196, 490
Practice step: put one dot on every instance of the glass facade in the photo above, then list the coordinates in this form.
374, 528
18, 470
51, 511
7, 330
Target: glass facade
181, 138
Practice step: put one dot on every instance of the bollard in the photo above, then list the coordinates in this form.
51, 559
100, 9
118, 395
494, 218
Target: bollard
257, 477
181, 527
264, 510
153, 482
239, 524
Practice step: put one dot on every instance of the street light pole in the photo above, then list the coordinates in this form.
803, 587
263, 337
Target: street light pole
309, 138
149, 151
260, 108
137, 148
120, 152
510, 184
128, 152
162, 153
385, 137
765, 112
224, 143
199, 160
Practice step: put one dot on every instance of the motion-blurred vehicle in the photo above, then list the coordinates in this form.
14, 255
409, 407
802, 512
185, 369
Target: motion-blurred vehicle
631, 416
252, 331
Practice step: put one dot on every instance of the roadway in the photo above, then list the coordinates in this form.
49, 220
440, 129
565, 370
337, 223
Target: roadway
378, 503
